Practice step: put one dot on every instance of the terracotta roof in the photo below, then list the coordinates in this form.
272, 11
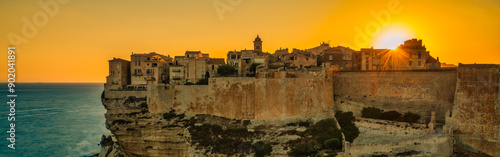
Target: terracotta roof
216, 61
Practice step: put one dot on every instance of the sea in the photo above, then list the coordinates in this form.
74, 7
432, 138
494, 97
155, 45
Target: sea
53, 119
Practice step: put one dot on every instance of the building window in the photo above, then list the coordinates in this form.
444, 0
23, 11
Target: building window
411, 63
202, 62
139, 61
367, 65
419, 63
330, 57
150, 71
419, 55
213, 67
202, 69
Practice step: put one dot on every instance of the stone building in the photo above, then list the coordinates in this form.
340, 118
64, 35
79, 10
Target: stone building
119, 74
242, 60
213, 64
319, 49
149, 68
257, 44
301, 58
177, 74
341, 57
189, 68
280, 52
411, 55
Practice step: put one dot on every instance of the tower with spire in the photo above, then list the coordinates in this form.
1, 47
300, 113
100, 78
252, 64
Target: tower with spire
257, 44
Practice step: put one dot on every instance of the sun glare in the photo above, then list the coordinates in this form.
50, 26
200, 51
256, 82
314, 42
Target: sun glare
392, 36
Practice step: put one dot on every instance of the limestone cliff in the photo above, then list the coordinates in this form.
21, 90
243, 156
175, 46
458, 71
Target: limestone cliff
238, 116
141, 133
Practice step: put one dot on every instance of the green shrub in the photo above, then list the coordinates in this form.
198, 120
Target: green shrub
411, 117
333, 143
305, 149
291, 124
371, 112
305, 124
229, 141
262, 149
203, 81
391, 115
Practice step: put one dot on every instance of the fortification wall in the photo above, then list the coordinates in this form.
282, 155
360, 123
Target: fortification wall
123, 94
251, 98
476, 113
402, 91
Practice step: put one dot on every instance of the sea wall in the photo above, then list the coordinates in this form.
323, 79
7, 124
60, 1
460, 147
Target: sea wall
402, 91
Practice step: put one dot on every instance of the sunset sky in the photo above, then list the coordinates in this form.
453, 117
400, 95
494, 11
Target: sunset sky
74, 41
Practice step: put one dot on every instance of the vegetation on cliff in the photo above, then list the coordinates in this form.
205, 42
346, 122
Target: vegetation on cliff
324, 135
376, 113
262, 149
229, 141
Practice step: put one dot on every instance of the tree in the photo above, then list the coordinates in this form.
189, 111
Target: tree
226, 70
346, 122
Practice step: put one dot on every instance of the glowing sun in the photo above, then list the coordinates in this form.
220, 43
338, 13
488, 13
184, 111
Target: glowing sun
392, 36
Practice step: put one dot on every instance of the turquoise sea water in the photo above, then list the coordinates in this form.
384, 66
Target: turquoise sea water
53, 119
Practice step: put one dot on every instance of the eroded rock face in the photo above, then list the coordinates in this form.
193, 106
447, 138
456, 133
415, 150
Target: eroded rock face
142, 133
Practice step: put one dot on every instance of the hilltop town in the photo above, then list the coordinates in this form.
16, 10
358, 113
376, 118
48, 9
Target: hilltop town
154, 68
323, 101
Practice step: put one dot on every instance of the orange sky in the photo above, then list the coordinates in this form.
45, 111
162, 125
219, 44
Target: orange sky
73, 43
